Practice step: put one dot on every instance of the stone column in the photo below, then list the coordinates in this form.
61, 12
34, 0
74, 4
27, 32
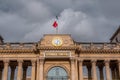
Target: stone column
41, 69
24, 72
1, 69
38, 69
76, 68
80, 70
101, 72
19, 73
12, 72
5, 73
107, 68
89, 72
73, 69
33, 70
94, 73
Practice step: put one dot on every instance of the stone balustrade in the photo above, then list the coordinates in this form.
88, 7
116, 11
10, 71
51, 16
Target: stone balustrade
18, 46
98, 46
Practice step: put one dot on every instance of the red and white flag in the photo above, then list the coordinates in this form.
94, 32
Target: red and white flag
55, 24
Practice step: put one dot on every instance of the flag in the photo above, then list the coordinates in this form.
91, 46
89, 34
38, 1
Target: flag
55, 24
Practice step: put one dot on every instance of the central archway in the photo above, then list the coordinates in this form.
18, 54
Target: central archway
57, 73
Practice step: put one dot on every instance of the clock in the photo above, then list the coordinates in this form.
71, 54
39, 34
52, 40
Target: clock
57, 41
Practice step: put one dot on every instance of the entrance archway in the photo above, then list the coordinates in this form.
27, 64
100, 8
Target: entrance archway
57, 73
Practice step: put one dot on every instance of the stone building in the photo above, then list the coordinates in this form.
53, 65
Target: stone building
59, 57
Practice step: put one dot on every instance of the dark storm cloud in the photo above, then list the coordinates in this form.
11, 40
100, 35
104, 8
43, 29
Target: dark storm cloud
85, 20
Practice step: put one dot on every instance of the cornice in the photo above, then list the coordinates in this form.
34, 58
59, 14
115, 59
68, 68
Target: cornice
117, 51
57, 48
17, 51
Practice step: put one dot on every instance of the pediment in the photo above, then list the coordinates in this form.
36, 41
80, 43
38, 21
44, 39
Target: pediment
56, 40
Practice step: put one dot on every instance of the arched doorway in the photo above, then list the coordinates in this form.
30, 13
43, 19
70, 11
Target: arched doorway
57, 73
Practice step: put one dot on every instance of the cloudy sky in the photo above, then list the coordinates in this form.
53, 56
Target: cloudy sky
85, 20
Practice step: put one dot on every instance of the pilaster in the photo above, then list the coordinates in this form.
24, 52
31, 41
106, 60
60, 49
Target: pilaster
94, 73
76, 68
80, 69
19, 73
107, 68
72, 69
5, 74
41, 68
38, 69
33, 70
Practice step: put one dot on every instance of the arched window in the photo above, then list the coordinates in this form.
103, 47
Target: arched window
57, 73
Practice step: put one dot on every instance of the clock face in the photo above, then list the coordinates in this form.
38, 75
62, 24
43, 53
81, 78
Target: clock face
57, 42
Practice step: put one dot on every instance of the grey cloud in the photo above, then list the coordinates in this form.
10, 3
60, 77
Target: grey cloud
86, 20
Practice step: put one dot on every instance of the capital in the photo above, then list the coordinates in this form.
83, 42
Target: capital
80, 60
107, 62
33, 62
42, 60
72, 59
93, 61
6, 61
20, 61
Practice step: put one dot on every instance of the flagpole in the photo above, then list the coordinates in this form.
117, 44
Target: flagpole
56, 30
57, 27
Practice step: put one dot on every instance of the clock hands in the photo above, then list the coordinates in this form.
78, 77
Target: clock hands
57, 42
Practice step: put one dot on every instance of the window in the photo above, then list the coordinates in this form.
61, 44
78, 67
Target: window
57, 73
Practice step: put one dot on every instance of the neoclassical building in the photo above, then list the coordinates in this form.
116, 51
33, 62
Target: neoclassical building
59, 57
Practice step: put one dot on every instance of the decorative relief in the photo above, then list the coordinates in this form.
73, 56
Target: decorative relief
48, 42
66, 41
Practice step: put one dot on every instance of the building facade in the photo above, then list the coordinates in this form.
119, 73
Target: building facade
59, 57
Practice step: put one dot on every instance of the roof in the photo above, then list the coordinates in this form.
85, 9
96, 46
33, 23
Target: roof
114, 35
